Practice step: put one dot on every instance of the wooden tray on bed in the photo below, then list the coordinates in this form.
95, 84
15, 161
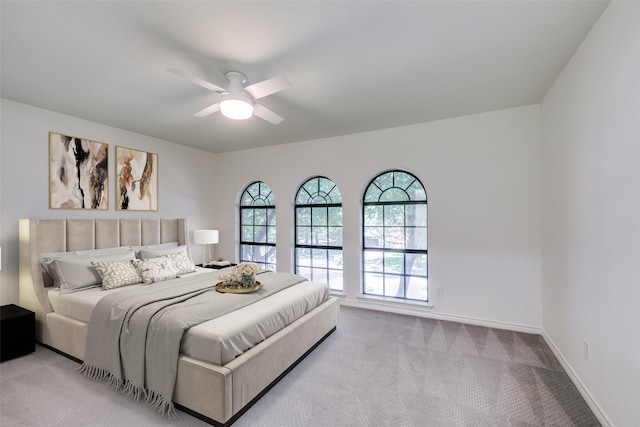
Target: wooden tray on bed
220, 288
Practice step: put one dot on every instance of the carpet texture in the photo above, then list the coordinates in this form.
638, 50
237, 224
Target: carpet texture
377, 369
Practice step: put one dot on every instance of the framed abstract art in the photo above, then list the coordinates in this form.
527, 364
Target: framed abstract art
136, 180
78, 173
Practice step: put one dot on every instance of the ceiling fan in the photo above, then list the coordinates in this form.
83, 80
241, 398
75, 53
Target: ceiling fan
238, 101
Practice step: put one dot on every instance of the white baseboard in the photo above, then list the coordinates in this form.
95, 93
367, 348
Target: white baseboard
420, 311
593, 404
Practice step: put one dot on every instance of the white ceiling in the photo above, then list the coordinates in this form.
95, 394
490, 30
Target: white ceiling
355, 65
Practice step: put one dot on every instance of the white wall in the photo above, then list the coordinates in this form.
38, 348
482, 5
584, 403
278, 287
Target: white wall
481, 172
184, 180
482, 176
591, 214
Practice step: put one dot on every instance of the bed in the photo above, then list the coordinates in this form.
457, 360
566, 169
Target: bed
224, 364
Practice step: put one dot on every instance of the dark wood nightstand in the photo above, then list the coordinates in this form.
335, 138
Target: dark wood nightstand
17, 332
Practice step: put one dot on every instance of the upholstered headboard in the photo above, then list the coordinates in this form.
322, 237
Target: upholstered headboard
64, 235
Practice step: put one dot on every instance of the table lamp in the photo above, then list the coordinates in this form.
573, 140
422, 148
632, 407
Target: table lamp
207, 238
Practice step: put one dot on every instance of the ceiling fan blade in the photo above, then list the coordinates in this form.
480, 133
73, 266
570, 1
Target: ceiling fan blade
266, 114
267, 87
209, 110
200, 82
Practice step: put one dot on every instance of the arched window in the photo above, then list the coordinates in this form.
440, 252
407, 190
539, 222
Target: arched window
318, 219
395, 237
258, 225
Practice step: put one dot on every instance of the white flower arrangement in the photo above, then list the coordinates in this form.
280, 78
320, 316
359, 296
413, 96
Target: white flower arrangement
242, 275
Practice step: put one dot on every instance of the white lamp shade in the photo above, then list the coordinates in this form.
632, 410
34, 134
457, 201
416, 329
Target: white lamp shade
205, 237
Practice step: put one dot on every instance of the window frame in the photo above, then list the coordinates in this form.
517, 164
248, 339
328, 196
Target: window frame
368, 248
326, 247
269, 208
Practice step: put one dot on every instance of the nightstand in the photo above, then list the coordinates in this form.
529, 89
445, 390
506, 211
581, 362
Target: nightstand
17, 332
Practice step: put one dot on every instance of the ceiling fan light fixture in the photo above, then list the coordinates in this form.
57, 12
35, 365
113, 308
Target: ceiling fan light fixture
238, 101
236, 108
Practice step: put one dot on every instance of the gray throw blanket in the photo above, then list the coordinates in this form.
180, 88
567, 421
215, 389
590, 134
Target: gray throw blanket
134, 335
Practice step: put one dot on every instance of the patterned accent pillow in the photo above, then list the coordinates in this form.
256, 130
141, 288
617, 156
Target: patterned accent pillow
155, 269
182, 263
117, 273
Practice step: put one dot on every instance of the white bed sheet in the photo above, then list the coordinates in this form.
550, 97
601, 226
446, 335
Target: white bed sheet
222, 339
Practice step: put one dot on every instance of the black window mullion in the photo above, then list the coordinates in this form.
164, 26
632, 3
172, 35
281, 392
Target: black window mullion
404, 202
315, 205
258, 244
327, 247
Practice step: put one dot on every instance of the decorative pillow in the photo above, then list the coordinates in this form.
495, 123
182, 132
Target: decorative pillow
117, 273
155, 269
181, 262
152, 253
78, 273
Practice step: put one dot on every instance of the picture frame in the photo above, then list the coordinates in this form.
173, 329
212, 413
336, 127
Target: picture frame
136, 180
78, 173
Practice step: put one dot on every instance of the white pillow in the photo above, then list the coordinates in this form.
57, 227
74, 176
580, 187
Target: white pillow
152, 253
78, 273
46, 261
104, 251
47, 258
155, 269
115, 274
159, 246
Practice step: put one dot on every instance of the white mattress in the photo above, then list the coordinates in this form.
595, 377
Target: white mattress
222, 339
79, 305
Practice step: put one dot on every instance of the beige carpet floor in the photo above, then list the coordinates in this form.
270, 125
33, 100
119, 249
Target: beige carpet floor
377, 369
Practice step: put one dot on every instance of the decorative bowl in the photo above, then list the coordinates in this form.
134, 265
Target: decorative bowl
236, 289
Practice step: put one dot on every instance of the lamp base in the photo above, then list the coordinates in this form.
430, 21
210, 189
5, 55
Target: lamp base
206, 252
